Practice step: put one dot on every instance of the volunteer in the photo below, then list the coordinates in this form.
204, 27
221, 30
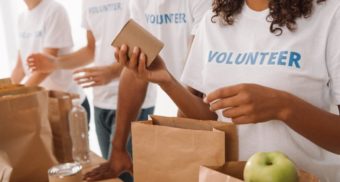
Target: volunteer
273, 68
102, 19
45, 27
174, 23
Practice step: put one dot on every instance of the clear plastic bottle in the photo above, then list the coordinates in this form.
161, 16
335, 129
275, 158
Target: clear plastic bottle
79, 133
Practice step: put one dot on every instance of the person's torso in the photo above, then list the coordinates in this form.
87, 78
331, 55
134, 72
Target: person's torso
105, 18
247, 52
171, 22
32, 27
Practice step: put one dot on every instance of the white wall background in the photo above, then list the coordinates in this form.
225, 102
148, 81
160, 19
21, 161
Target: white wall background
9, 11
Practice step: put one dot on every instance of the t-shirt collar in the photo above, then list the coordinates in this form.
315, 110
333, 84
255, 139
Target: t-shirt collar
247, 11
40, 6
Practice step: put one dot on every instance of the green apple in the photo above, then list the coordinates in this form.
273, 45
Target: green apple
270, 167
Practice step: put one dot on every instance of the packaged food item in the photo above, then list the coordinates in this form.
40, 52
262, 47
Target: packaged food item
134, 35
68, 172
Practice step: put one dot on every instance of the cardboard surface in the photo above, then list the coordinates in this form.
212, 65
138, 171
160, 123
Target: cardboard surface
233, 172
134, 35
172, 149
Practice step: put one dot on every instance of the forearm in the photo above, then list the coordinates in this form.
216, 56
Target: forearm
17, 75
76, 59
189, 104
131, 96
116, 70
36, 78
319, 126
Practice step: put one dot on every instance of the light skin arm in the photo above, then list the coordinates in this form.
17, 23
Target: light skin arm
18, 71
36, 78
45, 63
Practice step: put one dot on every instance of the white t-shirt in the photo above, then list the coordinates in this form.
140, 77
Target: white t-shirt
173, 22
305, 63
47, 26
105, 18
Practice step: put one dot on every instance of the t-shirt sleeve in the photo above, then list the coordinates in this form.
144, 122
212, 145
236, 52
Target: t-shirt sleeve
193, 71
57, 30
84, 20
198, 9
333, 57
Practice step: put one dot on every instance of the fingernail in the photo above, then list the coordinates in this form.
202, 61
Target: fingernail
205, 100
135, 50
124, 47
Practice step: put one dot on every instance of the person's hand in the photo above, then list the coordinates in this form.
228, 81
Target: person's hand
156, 72
42, 63
97, 76
119, 162
249, 103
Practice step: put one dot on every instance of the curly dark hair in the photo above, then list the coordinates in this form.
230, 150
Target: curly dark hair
282, 12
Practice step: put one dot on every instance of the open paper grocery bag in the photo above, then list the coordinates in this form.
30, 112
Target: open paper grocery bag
59, 106
5, 168
233, 172
172, 149
25, 133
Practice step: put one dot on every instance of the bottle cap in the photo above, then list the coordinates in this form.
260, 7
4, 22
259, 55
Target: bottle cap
76, 101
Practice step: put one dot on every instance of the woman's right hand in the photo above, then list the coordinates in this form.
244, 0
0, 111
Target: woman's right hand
156, 72
42, 63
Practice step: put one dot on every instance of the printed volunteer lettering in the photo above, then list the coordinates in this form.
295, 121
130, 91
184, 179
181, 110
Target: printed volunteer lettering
283, 58
27, 35
168, 18
105, 8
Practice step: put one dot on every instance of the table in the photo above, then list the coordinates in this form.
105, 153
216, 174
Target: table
95, 162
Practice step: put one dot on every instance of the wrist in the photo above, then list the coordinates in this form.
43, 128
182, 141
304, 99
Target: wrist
285, 110
57, 64
167, 83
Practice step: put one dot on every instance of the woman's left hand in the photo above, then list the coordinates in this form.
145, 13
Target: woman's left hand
249, 103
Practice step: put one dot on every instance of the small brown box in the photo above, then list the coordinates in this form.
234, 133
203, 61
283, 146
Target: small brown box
134, 35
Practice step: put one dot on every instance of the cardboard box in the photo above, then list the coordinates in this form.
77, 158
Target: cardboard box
233, 172
134, 35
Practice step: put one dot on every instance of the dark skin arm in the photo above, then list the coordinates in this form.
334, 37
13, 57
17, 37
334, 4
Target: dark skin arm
136, 85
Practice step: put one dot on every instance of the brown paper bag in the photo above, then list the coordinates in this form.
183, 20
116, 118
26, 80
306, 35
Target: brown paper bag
60, 104
172, 149
5, 168
25, 133
5, 82
233, 172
